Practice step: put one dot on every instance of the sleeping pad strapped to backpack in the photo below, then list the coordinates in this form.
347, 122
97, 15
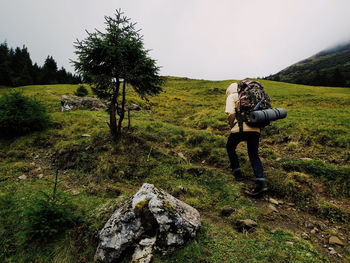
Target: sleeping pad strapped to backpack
252, 97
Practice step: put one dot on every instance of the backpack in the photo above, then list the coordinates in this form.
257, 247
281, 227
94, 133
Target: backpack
251, 97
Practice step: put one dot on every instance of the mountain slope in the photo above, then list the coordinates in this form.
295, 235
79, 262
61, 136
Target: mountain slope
177, 142
330, 67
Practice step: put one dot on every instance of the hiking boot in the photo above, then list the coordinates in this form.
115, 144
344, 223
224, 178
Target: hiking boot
238, 176
259, 190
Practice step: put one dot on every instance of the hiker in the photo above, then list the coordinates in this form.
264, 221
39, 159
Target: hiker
240, 133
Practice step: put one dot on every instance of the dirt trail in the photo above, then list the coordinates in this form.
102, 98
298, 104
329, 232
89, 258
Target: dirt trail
277, 212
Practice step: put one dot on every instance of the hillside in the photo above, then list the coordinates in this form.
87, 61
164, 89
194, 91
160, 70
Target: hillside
330, 67
177, 142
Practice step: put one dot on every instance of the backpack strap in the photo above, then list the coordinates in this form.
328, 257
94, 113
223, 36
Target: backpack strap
239, 120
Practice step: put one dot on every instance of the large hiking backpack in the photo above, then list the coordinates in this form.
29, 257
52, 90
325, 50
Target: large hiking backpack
252, 97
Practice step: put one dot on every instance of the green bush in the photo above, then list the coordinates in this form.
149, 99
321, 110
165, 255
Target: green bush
81, 91
21, 115
37, 218
46, 217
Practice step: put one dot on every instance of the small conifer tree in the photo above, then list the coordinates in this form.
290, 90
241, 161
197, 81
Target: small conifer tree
112, 59
81, 91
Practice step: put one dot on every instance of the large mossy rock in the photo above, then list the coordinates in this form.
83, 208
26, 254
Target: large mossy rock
152, 220
81, 103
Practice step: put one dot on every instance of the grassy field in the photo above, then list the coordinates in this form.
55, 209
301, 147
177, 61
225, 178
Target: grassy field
177, 142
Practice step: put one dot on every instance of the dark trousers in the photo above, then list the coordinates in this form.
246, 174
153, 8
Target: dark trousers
252, 139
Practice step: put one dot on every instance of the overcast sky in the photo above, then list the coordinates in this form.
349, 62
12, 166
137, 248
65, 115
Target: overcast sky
206, 39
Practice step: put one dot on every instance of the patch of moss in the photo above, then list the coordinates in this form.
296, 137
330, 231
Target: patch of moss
168, 207
333, 212
141, 205
336, 177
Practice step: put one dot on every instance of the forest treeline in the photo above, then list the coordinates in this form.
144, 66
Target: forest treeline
17, 69
330, 67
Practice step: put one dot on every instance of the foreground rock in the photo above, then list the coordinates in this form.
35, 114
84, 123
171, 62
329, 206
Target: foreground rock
75, 102
151, 221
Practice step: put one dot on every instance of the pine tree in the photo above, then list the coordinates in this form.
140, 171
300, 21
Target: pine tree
5, 72
49, 71
113, 59
17, 69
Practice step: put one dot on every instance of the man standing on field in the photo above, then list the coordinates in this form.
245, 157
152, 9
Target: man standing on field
244, 133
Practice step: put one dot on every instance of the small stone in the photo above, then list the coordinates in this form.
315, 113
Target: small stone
324, 246
75, 192
306, 159
332, 252
182, 156
203, 162
330, 248
272, 208
314, 231
85, 135
305, 236
308, 224
333, 240
273, 201
134, 106
36, 171
22, 177
278, 159
40, 176
246, 224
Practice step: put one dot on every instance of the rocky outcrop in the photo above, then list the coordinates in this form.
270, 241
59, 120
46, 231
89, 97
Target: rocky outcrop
151, 220
75, 102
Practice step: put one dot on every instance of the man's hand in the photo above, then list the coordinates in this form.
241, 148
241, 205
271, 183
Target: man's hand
232, 120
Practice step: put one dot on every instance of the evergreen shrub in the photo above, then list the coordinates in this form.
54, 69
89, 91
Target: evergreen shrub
47, 217
20, 115
81, 91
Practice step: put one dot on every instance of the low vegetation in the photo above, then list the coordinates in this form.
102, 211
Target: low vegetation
177, 142
21, 115
81, 91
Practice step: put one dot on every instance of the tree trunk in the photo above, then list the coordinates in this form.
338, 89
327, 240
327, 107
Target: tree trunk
122, 112
112, 112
